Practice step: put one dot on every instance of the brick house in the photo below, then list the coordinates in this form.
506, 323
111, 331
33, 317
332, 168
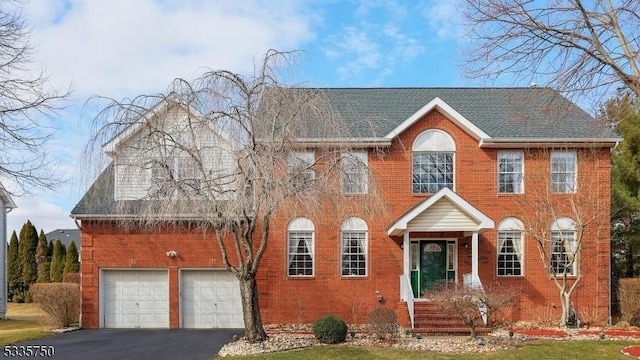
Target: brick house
458, 165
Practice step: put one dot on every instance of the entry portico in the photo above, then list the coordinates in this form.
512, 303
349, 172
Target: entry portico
443, 212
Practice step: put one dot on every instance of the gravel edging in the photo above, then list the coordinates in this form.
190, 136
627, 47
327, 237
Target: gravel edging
454, 344
297, 337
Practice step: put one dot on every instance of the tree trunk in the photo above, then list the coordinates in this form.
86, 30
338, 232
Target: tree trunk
253, 329
565, 300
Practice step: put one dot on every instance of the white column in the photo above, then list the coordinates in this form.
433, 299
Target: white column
474, 256
406, 247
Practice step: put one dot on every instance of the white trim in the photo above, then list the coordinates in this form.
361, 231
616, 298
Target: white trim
6, 198
400, 225
447, 111
511, 152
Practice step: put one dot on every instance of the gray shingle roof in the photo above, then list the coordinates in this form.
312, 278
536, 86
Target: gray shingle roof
100, 200
65, 236
502, 113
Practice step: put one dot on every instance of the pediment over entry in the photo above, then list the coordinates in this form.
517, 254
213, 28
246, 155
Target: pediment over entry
443, 211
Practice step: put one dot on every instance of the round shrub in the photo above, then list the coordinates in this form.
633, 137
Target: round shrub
330, 330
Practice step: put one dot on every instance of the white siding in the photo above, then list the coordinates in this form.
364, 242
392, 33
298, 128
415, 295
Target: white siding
443, 216
133, 161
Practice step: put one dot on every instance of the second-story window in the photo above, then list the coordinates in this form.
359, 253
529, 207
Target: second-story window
433, 162
355, 177
510, 172
564, 170
300, 168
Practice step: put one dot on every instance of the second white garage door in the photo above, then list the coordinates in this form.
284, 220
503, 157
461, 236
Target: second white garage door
135, 298
210, 299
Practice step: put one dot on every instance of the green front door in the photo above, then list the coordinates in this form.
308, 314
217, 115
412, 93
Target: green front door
433, 264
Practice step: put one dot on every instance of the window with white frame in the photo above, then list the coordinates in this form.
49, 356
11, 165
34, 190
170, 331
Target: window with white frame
354, 235
174, 174
510, 172
355, 176
300, 233
510, 247
161, 173
563, 247
301, 169
564, 169
433, 162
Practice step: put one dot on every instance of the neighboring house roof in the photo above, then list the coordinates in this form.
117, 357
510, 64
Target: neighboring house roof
65, 236
6, 198
494, 114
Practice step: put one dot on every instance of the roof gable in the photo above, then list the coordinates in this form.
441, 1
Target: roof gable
463, 216
446, 110
156, 113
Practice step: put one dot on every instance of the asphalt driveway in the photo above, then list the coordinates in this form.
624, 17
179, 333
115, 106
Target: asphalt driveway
138, 344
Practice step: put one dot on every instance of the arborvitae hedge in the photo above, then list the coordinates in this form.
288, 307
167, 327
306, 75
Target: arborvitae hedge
14, 266
71, 264
41, 259
57, 261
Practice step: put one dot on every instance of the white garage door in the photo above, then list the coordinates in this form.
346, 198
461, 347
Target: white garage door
136, 298
210, 299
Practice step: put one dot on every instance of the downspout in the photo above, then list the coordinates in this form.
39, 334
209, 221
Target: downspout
80, 259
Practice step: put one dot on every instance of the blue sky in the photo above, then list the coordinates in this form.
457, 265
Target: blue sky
123, 48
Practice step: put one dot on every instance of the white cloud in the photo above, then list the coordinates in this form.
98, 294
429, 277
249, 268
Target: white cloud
122, 47
444, 18
370, 49
43, 215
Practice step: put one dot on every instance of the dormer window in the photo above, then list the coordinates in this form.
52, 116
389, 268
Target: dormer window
433, 162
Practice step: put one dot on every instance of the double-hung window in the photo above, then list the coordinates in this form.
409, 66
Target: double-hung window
354, 246
432, 162
355, 177
300, 233
510, 247
563, 247
564, 171
510, 172
301, 170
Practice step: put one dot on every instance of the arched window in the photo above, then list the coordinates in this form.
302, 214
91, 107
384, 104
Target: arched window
354, 247
510, 247
563, 247
433, 161
300, 233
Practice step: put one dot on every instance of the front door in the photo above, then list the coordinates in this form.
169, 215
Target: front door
433, 265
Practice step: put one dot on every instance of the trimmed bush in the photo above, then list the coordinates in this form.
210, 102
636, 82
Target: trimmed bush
61, 301
330, 330
384, 323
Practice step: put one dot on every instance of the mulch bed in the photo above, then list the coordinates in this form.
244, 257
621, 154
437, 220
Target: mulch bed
558, 333
633, 351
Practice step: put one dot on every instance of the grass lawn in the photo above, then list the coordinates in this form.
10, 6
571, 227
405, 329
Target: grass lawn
22, 324
548, 349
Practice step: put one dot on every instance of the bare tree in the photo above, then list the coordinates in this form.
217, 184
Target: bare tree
565, 215
570, 45
25, 98
228, 153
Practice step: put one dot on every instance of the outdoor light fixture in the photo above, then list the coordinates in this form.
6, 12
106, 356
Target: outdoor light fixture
172, 253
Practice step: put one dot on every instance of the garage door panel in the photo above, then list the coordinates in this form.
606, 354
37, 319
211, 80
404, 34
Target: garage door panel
209, 300
136, 298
